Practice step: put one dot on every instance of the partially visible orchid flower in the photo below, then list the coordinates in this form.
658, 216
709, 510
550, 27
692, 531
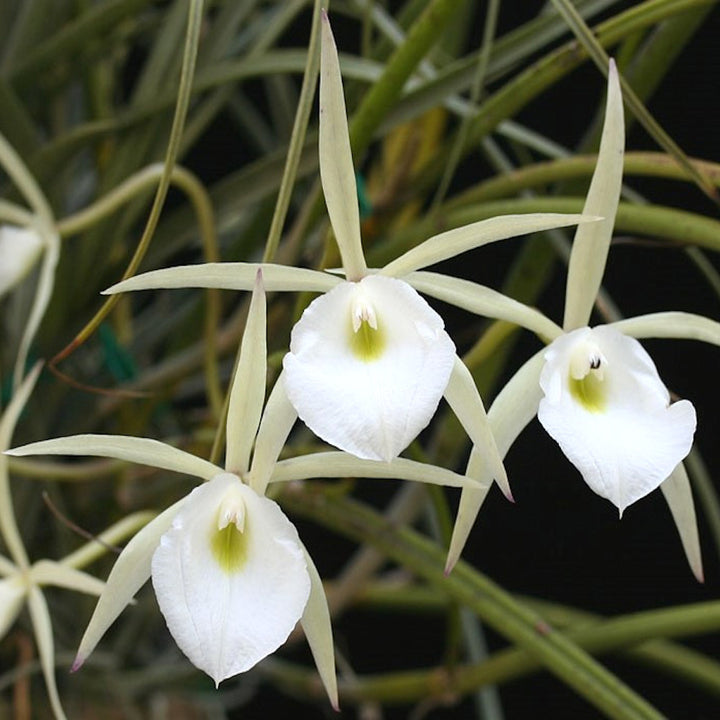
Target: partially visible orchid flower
21, 581
231, 576
229, 571
369, 360
21, 243
20, 248
595, 390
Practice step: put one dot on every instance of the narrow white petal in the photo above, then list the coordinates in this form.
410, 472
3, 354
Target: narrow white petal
20, 249
336, 164
227, 613
513, 408
140, 450
43, 292
49, 572
42, 627
367, 366
592, 241
678, 325
248, 388
626, 439
340, 464
678, 495
6, 567
459, 240
128, 575
229, 276
483, 301
8, 526
316, 624
12, 594
275, 426
464, 399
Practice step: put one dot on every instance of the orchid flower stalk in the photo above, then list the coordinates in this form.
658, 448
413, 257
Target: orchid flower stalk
225, 550
595, 390
369, 360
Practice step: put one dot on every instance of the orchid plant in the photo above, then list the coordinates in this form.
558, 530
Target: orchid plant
368, 364
595, 390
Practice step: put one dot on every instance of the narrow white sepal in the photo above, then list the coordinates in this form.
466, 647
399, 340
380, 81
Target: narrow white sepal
229, 276
471, 500
42, 627
276, 423
453, 242
228, 606
336, 164
676, 325
12, 595
678, 494
8, 525
139, 450
464, 399
341, 464
368, 364
129, 573
43, 293
15, 407
20, 248
6, 567
317, 627
248, 388
592, 241
513, 408
624, 437
483, 301
49, 572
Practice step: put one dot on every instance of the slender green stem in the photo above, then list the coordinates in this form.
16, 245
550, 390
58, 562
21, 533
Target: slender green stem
297, 138
648, 164
489, 28
195, 190
477, 592
635, 636
656, 221
703, 485
116, 533
383, 94
600, 58
190, 50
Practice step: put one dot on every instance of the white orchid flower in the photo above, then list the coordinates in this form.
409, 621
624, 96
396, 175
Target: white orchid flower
230, 574
369, 360
595, 390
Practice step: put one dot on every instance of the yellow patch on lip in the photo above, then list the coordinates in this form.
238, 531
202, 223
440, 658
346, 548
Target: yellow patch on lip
589, 392
367, 343
229, 547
